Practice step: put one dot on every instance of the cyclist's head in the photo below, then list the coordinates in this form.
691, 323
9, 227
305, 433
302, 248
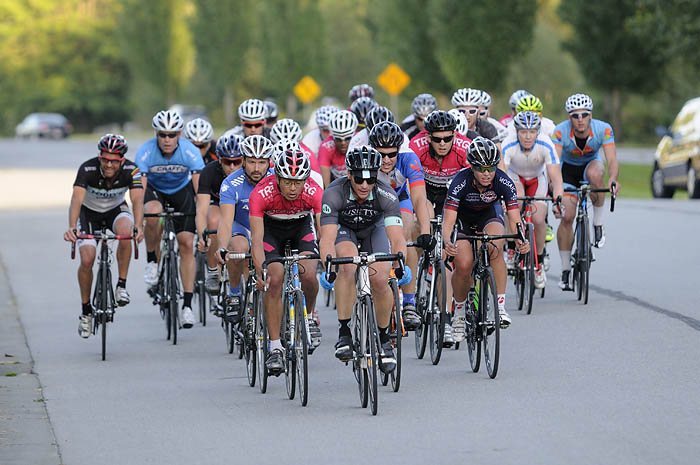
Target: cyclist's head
421, 107
168, 126
484, 111
342, 127
323, 117
272, 113
377, 115
462, 123
529, 103
256, 151
200, 133
292, 168
441, 127
360, 90
363, 165
253, 114
527, 124
386, 138
229, 153
468, 102
483, 156
112, 148
285, 128
515, 98
580, 110
361, 108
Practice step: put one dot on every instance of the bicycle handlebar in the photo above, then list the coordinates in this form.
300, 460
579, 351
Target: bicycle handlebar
167, 213
360, 259
293, 257
586, 188
226, 255
98, 236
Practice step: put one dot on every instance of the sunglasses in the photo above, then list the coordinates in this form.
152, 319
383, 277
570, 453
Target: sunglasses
253, 125
580, 115
233, 161
359, 180
342, 139
484, 169
169, 135
445, 139
109, 161
483, 113
471, 111
390, 154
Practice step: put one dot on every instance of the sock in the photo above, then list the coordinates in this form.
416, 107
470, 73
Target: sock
540, 258
234, 290
598, 215
344, 327
459, 307
565, 260
87, 308
121, 283
212, 270
276, 344
409, 299
383, 334
501, 301
151, 257
188, 300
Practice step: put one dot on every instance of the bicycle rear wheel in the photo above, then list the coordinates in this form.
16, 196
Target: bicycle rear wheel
421, 333
396, 327
438, 312
529, 269
374, 354
301, 349
250, 349
491, 322
261, 347
173, 291
473, 336
359, 362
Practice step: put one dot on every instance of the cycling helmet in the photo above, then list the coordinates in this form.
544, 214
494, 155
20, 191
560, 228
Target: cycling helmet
285, 128
440, 120
343, 123
462, 123
293, 164
515, 98
529, 103
360, 90
579, 102
423, 104
167, 120
483, 152
361, 107
252, 110
199, 130
377, 115
113, 143
363, 158
323, 115
466, 98
385, 135
527, 120
485, 99
228, 147
271, 110
257, 146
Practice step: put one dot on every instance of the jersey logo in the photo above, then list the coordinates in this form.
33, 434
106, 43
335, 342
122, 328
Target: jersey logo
169, 169
326, 209
308, 188
459, 187
488, 196
90, 168
386, 194
267, 190
608, 134
224, 188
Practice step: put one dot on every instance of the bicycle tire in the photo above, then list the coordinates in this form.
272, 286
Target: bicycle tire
251, 352
104, 282
261, 347
519, 280
438, 316
374, 351
201, 288
165, 298
420, 335
290, 366
301, 350
488, 305
396, 327
173, 290
585, 265
529, 287
582, 237
473, 336
361, 375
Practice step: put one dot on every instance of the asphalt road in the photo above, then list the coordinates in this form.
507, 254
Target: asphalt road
609, 383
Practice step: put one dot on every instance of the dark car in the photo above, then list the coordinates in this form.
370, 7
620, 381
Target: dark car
53, 125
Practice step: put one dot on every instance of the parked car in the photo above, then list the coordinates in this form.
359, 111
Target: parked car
53, 125
677, 158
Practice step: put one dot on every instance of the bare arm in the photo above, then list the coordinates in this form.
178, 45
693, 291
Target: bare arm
420, 205
326, 173
554, 174
398, 242
200, 218
449, 218
227, 213
136, 196
257, 232
613, 168
195, 182
326, 246
76, 201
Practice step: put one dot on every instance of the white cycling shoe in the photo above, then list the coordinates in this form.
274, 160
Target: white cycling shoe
85, 326
150, 276
187, 317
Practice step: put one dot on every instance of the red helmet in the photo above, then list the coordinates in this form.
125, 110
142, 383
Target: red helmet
293, 164
113, 143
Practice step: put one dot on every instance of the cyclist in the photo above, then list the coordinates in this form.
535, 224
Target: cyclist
331, 154
201, 134
289, 144
462, 124
468, 102
171, 165
474, 205
421, 107
532, 103
530, 159
578, 141
403, 171
314, 137
513, 102
288, 129
272, 113
233, 219
361, 214
208, 202
98, 198
374, 117
285, 207
361, 107
253, 116
485, 113
360, 90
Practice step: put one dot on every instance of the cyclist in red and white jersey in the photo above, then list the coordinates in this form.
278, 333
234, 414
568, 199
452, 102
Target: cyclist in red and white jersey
331, 154
289, 144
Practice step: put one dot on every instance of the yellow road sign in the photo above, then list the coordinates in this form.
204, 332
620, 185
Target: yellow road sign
394, 79
306, 89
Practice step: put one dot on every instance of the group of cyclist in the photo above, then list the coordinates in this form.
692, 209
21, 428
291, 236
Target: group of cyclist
358, 182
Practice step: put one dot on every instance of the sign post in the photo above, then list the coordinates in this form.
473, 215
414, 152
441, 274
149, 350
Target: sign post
306, 91
394, 80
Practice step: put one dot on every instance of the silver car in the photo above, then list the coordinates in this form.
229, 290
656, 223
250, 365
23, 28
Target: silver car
52, 125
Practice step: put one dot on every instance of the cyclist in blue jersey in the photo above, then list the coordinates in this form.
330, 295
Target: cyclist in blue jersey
578, 141
402, 171
233, 216
170, 166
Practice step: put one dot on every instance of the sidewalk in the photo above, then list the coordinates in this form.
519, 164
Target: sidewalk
26, 434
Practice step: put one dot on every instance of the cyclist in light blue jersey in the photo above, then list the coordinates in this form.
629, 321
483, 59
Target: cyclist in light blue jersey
170, 166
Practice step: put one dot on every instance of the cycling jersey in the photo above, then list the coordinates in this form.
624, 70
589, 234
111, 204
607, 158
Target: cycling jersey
506, 119
328, 155
235, 190
210, 181
312, 140
169, 174
463, 195
266, 201
439, 174
547, 128
409, 127
312, 157
600, 134
102, 195
532, 163
210, 156
407, 173
362, 138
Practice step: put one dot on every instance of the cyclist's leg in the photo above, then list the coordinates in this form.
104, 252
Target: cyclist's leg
307, 244
152, 232
595, 175
462, 276
238, 243
378, 242
123, 224
345, 246
539, 188
88, 251
273, 303
572, 177
411, 256
212, 223
183, 201
494, 226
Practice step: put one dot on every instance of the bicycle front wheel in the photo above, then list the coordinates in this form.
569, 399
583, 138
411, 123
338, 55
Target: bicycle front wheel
585, 263
360, 349
104, 305
374, 354
251, 351
490, 322
290, 364
396, 327
438, 312
474, 333
529, 269
173, 291
200, 287
301, 349
421, 333
261, 346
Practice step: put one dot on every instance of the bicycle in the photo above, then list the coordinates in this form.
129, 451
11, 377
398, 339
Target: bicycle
200, 289
582, 256
231, 330
167, 291
483, 319
396, 333
527, 264
366, 343
431, 296
103, 302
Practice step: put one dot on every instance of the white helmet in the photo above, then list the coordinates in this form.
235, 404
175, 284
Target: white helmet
579, 102
167, 120
236, 131
515, 98
323, 115
343, 123
285, 128
257, 146
199, 130
466, 98
462, 123
485, 99
252, 110
293, 163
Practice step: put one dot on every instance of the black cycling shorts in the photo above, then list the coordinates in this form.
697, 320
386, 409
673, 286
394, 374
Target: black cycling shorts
182, 201
473, 222
437, 197
371, 241
300, 233
573, 175
91, 221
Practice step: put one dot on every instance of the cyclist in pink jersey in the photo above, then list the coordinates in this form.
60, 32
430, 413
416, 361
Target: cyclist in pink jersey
331, 154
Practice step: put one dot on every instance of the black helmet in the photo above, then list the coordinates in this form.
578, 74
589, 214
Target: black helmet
423, 104
386, 135
361, 107
363, 158
113, 143
360, 90
377, 115
483, 152
440, 120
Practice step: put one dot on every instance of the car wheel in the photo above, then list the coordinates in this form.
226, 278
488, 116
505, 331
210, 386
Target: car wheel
658, 189
693, 183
